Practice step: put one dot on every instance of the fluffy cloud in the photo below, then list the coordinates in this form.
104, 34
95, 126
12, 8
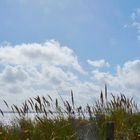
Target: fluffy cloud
98, 63
37, 68
13, 74
130, 74
28, 70
126, 78
50, 53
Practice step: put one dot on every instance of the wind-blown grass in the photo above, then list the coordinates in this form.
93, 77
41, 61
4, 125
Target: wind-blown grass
60, 122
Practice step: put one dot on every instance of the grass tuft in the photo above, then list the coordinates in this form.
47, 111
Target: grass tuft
54, 122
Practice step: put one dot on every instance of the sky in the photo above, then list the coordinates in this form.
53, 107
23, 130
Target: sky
52, 47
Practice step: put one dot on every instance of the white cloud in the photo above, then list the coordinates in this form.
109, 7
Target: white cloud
98, 63
50, 53
126, 78
28, 70
130, 74
135, 16
137, 26
13, 74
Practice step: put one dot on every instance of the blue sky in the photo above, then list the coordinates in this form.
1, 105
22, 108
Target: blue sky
92, 28
95, 31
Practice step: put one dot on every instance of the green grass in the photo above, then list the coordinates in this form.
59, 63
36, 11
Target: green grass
60, 122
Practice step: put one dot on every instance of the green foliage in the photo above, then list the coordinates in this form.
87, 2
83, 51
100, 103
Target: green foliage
60, 122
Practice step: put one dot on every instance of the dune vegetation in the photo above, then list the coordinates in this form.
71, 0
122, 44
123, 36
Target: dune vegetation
60, 121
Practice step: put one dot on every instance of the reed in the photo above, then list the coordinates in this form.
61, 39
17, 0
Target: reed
59, 121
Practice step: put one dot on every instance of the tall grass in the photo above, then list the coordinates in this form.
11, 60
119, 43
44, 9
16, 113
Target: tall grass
60, 121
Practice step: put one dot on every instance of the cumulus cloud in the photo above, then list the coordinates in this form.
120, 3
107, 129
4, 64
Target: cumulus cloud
130, 74
13, 74
50, 53
98, 63
27, 70
126, 78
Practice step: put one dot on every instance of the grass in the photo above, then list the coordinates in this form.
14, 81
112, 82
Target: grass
61, 122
